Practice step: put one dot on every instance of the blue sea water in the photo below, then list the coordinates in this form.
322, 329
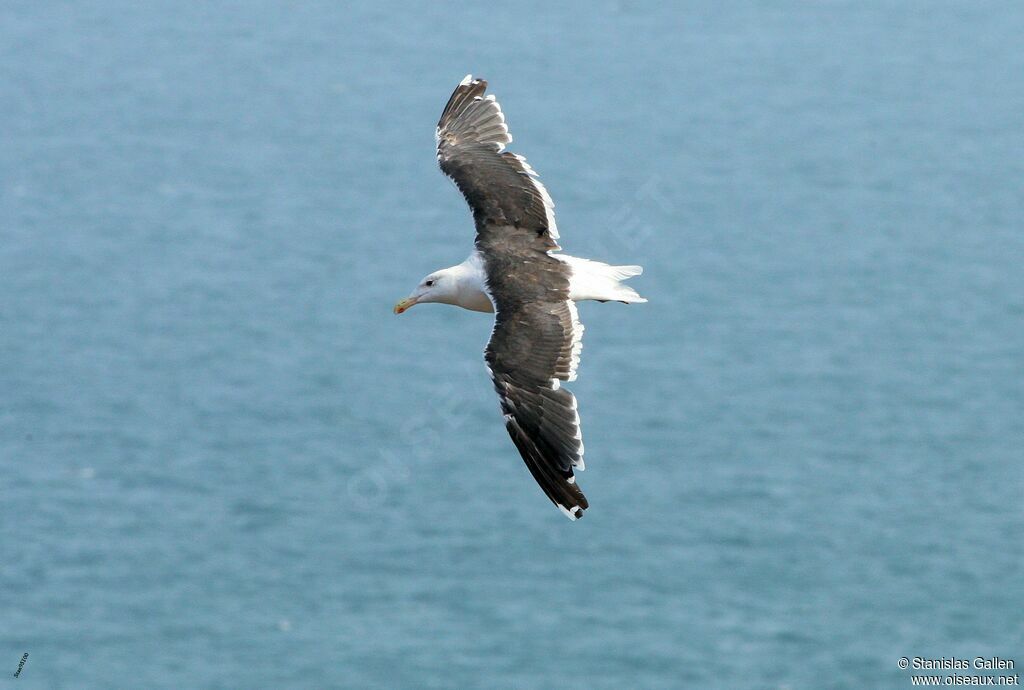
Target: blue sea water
226, 464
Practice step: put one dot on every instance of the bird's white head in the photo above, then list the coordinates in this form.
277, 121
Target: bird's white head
440, 286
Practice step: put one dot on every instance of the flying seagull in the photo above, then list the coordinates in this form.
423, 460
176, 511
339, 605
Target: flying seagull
515, 273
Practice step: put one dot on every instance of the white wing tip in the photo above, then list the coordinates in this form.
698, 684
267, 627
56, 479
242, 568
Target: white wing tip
573, 514
466, 80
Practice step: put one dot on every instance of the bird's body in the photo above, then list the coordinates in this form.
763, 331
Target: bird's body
516, 273
588, 280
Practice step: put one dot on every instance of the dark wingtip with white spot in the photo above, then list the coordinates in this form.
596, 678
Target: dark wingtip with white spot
574, 513
472, 118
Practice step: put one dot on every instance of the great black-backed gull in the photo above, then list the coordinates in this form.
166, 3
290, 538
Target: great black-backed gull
515, 272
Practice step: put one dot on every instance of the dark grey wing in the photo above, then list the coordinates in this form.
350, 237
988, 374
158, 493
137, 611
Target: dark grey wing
537, 334
500, 187
536, 345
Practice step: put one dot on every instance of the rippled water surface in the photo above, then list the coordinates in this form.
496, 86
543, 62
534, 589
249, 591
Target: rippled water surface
227, 465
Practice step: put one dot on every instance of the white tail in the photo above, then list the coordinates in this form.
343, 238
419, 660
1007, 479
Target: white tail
600, 281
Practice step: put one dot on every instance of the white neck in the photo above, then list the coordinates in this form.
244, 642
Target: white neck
471, 290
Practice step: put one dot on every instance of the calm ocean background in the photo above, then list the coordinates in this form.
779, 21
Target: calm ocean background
226, 464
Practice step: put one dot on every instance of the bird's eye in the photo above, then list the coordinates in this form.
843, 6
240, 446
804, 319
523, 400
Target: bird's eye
429, 283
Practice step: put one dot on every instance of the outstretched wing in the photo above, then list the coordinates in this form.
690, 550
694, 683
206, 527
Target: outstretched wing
500, 187
535, 345
537, 334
